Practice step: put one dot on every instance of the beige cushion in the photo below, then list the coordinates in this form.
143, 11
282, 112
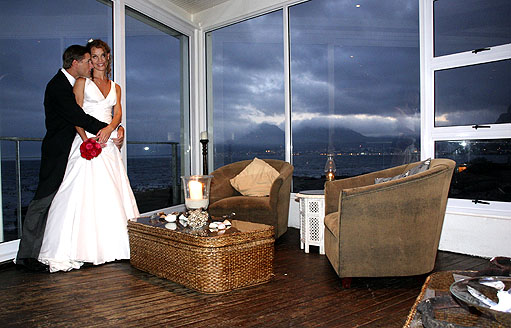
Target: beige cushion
256, 179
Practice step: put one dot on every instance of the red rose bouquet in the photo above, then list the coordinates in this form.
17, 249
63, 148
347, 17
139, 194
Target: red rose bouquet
90, 148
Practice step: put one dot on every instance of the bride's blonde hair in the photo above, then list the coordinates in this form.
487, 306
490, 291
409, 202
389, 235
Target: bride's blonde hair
97, 43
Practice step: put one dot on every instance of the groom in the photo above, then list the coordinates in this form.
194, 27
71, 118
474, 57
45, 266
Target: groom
62, 114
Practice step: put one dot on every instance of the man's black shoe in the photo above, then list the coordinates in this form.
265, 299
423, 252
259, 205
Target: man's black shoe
32, 265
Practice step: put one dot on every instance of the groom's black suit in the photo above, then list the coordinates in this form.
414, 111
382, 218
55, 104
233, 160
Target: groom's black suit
62, 115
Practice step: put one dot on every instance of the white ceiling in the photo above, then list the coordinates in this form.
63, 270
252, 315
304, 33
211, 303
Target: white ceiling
195, 6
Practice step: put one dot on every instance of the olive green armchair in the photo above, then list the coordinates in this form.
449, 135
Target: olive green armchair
271, 210
387, 229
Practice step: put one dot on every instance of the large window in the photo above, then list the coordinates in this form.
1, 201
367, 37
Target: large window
246, 90
471, 87
354, 86
34, 34
157, 102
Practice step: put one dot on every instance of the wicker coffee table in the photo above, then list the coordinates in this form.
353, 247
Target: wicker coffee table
206, 261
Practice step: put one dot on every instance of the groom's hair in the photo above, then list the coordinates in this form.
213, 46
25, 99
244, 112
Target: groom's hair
74, 52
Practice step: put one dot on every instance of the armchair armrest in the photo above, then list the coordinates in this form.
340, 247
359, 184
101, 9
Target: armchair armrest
275, 190
334, 188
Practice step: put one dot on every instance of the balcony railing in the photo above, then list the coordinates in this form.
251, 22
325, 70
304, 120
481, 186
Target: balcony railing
18, 140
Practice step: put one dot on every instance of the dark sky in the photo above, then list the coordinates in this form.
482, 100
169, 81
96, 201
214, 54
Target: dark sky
351, 67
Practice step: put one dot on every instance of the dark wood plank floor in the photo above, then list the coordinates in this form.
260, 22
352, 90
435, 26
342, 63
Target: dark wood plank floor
305, 292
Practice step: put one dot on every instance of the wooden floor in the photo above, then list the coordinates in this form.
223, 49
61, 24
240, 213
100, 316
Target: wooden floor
305, 292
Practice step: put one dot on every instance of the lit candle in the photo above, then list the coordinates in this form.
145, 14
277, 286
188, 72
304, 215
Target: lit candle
204, 135
196, 199
195, 188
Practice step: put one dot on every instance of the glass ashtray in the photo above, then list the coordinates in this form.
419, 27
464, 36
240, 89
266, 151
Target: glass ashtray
481, 293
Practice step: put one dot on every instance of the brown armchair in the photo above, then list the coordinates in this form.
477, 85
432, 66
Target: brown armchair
272, 210
387, 229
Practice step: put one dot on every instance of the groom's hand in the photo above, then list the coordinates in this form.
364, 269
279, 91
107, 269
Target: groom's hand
120, 137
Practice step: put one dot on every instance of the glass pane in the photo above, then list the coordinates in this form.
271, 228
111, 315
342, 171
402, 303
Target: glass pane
483, 168
355, 87
246, 90
31, 53
478, 94
157, 110
463, 25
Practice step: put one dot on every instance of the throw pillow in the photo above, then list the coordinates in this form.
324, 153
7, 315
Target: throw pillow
423, 166
256, 179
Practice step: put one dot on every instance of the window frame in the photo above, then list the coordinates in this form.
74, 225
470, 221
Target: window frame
430, 134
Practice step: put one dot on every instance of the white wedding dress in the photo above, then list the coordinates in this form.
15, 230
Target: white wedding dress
87, 220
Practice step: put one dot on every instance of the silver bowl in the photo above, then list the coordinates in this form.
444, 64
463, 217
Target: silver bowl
459, 289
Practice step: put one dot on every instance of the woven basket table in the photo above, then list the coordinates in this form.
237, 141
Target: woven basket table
448, 315
209, 262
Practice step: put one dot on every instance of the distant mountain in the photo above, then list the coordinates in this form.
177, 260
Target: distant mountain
307, 138
265, 134
316, 137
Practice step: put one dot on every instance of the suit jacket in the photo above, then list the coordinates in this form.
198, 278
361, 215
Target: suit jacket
62, 114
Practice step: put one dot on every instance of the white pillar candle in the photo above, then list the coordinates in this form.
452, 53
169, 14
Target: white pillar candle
195, 188
204, 135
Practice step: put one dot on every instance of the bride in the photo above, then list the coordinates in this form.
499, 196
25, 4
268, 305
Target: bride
87, 220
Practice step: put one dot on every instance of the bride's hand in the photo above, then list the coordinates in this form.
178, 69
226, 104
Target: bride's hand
120, 137
104, 134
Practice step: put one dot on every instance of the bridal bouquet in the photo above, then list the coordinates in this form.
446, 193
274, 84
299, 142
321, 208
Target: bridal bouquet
90, 148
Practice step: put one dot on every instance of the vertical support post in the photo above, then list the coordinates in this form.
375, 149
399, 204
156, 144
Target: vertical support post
204, 143
173, 164
18, 188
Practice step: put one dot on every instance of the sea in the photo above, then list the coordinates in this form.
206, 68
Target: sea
155, 173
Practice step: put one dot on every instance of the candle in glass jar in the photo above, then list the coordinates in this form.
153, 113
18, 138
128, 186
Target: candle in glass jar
196, 203
195, 188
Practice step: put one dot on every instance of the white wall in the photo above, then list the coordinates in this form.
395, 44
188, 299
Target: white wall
476, 231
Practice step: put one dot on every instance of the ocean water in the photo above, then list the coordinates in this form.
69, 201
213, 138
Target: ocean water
148, 174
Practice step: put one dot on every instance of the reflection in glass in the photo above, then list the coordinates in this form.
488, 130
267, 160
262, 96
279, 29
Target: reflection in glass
34, 36
354, 86
483, 168
477, 94
157, 110
246, 89
463, 25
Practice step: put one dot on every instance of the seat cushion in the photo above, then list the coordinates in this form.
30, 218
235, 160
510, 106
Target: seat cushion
253, 209
332, 223
256, 179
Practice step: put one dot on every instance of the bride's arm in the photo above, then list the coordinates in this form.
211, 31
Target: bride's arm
104, 133
78, 91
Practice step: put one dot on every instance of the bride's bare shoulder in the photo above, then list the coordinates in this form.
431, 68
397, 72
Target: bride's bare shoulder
117, 87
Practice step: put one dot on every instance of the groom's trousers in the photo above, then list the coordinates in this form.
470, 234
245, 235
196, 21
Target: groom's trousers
33, 227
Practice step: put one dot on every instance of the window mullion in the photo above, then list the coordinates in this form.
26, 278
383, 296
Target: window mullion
469, 58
